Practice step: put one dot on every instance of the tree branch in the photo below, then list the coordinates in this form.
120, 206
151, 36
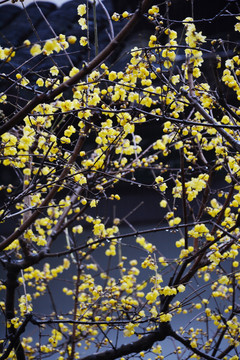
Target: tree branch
51, 193
187, 344
143, 344
15, 342
102, 56
233, 142
11, 285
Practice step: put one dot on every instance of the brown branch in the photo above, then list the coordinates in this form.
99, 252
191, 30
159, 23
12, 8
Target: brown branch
61, 219
184, 196
74, 328
51, 193
122, 236
222, 211
187, 344
143, 344
15, 343
205, 196
193, 101
11, 285
199, 256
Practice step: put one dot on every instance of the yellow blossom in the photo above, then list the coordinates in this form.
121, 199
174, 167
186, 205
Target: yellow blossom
35, 50
81, 9
83, 41
237, 25
83, 23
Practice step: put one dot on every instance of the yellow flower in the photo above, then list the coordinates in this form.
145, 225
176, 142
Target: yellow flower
66, 263
154, 9
125, 14
71, 39
3, 98
27, 42
193, 343
35, 50
40, 82
83, 41
181, 288
93, 203
152, 296
163, 203
165, 317
54, 70
196, 72
237, 25
112, 75
81, 9
82, 22
24, 81
129, 329
50, 46
175, 79
115, 16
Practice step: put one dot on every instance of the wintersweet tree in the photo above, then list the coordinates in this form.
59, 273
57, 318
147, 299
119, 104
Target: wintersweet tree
71, 142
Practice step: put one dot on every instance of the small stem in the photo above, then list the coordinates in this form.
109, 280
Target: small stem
221, 213
188, 346
184, 196
11, 285
74, 328
15, 343
95, 27
229, 138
